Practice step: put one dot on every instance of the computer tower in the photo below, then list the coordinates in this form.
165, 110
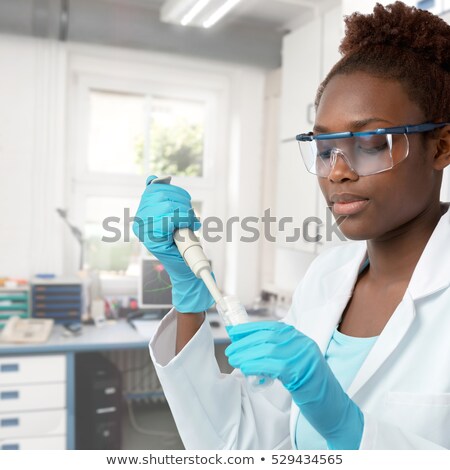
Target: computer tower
98, 403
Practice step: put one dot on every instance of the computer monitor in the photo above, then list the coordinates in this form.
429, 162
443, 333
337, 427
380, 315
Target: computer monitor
154, 288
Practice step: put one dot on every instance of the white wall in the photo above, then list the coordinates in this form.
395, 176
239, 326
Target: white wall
31, 155
244, 181
366, 6
15, 158
308, 54
270, 139
34, 82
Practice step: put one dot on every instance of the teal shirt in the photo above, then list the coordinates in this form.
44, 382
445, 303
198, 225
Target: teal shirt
345, 355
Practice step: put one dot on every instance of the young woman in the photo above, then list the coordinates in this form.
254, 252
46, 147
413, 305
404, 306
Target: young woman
363, 357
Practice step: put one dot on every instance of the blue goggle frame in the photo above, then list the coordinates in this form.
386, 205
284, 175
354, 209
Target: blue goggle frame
408, 129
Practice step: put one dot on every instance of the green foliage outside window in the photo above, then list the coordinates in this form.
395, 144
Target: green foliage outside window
174, 150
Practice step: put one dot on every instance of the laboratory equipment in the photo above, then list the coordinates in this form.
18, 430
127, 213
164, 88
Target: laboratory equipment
154, 287
299, 364
27, 330
60, 299
163, 209
230, 309
14, 302
76, 232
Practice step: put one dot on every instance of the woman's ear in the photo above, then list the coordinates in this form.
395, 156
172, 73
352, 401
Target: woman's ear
442, 156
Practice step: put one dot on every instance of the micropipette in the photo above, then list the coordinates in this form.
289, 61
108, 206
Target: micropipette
229, 308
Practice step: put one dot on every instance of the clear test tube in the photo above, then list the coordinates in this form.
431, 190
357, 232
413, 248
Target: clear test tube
232, 313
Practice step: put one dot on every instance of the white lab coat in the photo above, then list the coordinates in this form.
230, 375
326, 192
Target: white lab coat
403, 387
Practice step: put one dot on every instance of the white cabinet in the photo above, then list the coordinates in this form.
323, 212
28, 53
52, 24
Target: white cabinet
333, 32
300, 79
36, 443
33, 407
296, 200
308, 55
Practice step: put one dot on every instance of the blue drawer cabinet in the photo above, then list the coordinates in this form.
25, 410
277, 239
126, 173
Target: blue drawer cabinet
61, 301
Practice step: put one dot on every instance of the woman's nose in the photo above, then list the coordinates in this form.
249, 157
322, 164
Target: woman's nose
340, 167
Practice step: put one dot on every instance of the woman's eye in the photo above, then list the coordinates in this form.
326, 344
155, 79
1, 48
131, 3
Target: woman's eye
325, 154
371, 145
373, 150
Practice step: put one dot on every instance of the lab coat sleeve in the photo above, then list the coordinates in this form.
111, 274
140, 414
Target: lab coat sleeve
213, 410
379, 435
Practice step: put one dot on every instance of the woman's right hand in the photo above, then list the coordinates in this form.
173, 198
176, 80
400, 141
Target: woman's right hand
163, 209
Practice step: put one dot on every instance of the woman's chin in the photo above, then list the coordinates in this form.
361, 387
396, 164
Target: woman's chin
354, 232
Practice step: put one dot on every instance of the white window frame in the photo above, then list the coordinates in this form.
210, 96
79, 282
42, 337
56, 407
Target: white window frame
119, 74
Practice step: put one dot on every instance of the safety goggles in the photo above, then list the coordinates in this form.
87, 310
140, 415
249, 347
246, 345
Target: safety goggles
366, 153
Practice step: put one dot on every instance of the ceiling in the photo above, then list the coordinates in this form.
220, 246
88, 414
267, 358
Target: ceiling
278, 15
250, 34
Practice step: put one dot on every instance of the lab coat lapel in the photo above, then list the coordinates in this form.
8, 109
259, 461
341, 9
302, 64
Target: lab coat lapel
319, 322
422, 284
336, 288
389, 339
325, 318
432, 272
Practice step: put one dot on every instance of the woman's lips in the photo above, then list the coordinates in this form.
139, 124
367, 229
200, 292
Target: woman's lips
350, 207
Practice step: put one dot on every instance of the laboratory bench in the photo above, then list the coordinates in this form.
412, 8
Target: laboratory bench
37, 381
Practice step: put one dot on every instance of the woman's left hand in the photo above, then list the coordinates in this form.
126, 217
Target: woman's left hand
277, 350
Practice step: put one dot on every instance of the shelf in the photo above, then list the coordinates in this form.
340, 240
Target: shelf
14, 306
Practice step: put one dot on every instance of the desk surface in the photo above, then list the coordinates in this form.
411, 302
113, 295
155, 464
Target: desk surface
116, 336
119, 335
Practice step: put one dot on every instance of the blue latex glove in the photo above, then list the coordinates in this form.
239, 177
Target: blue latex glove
280, 351
163, 209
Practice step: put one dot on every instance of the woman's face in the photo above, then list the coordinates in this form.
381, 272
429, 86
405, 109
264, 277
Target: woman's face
396, 196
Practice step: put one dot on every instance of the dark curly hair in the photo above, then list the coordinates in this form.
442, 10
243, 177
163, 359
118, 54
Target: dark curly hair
400, 43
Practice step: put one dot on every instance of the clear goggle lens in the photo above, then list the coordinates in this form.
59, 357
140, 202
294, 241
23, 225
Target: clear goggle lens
365, 155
